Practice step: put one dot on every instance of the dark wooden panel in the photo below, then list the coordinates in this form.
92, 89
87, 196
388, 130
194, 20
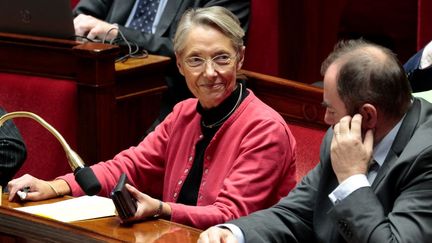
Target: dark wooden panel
295, 101
17, 226
116, 102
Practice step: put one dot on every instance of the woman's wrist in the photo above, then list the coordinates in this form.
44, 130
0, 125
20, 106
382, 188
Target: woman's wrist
163, 210
159, 210
59, 187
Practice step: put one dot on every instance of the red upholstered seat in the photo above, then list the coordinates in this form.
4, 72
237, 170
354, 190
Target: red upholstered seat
308, 146
74, 2
53, 100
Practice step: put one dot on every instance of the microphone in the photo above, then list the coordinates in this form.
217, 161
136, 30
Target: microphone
83, 175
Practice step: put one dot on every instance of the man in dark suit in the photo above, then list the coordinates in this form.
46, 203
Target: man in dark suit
12, 151
374, 179
105, 19
419, 69
104, 15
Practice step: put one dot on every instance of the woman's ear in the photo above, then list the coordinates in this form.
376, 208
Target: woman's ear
179, 63
370, 116
241, 58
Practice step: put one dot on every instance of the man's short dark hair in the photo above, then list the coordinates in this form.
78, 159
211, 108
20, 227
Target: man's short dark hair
369, 73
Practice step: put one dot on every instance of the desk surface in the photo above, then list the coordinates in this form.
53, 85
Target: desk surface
21, 225
134, 63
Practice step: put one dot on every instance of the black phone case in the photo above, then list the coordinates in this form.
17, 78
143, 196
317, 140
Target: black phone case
126, 205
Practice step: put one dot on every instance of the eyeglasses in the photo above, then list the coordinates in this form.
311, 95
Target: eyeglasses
219, 62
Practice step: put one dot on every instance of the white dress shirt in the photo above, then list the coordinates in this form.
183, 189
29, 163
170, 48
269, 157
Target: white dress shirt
426, 59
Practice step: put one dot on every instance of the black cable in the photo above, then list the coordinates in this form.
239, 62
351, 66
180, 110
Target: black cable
133, 48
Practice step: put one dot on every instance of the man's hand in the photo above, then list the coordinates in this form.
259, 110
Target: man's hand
93, 28
217, 235
350, 154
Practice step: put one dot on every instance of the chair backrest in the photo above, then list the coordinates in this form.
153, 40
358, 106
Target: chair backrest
308, 146
300, 105
56, 103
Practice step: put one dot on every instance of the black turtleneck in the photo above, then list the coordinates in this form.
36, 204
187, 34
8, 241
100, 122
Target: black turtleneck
189, 192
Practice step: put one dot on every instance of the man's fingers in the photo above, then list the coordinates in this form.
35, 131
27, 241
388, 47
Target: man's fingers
356, 125
217, 235
344, 125
369, 140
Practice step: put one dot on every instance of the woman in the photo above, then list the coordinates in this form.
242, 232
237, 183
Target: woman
216, 157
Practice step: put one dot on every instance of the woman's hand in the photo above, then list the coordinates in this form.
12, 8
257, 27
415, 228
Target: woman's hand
36, 189
147, 206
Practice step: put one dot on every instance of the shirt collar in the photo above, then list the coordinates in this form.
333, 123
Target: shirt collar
382, 148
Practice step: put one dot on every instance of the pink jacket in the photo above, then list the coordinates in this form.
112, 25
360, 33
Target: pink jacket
249, 164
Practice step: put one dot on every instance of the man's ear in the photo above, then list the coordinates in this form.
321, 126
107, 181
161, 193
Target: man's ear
179, 63
370, 116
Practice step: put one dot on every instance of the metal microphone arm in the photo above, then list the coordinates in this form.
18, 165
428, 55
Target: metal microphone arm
74, 159
84, 176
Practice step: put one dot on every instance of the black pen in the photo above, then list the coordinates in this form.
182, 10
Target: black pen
23, 192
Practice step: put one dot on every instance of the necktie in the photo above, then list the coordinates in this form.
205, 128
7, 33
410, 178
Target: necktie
373, 171
145, 15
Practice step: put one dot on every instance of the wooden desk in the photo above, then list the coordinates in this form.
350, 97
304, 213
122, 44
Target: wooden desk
116, 102
16, 226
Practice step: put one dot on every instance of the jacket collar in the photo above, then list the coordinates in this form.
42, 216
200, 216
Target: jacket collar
404, 135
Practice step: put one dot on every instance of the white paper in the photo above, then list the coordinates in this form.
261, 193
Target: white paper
80, 208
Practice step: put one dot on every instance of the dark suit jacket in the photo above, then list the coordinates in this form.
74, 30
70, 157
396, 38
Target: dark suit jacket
12, 150
118, 11
420, 79
396, 208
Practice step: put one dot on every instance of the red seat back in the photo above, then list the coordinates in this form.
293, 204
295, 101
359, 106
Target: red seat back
308, 147
55, 102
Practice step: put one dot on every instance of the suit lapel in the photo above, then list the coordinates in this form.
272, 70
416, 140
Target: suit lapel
403, 136
121, 10
168, 15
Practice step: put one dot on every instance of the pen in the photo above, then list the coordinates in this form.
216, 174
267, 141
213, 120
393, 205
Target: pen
23, 192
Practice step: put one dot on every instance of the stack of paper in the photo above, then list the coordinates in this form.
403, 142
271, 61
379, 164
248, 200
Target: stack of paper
80, 208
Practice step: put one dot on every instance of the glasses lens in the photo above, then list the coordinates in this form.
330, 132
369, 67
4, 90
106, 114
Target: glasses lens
219, 62
222, 60
195, 61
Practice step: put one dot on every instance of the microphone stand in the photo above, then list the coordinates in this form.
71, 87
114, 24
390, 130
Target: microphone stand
84, 175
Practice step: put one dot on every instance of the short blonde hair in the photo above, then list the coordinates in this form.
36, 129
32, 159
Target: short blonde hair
215, 17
